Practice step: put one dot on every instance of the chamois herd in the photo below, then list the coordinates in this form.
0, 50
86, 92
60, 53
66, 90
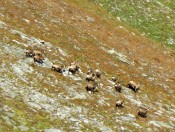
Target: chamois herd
92, 78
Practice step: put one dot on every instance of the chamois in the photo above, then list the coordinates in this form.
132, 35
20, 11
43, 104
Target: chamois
119, 103
114, 79
57, 68
73, 68
118, 87
29, 53
132, 85
38, 59
98, 73
92, 87
142, 112
37, 52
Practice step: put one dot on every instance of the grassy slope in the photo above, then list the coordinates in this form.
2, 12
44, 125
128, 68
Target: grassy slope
65, 24
153, 18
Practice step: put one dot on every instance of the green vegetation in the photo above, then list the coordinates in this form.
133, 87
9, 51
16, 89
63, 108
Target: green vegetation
35, 98
153, 18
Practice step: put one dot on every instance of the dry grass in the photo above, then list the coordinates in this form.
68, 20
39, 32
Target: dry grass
72, 29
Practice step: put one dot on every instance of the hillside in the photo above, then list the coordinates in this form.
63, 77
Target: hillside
153, 18
35, 98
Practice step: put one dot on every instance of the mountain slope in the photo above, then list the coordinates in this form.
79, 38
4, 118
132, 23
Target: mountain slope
34, 98
153, 18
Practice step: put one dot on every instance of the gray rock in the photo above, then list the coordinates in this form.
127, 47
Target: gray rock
120, 56
2, 24
161, 124
80, 96
90, 19
128, 117
47, 63
23, 128
53, 130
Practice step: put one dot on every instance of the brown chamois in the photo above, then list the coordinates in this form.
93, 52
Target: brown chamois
132, 85
119, 103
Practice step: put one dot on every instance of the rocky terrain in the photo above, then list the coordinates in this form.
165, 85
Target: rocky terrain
35, 98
